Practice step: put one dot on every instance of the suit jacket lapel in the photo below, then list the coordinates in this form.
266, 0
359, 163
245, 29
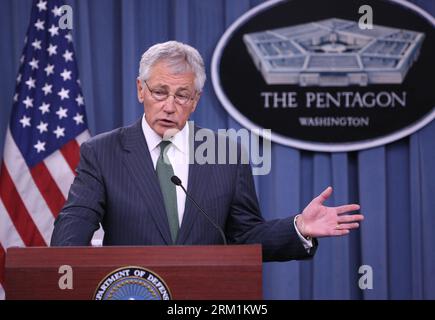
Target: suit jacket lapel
138, 161
196, 187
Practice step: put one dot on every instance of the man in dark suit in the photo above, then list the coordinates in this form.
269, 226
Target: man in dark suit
124, 179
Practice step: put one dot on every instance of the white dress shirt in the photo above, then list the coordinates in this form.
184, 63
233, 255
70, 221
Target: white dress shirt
178, 154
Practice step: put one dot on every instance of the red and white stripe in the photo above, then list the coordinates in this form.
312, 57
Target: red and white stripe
2, 280
31, 198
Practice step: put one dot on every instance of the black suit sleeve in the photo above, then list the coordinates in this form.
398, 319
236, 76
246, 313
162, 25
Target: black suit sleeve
84, 209
278, 237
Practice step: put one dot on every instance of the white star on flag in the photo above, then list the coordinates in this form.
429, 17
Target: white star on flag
42, 5
44, 107
42, 127
63, 94
25, 121
28, 102
57, 11
78, 118
47, 88
59, 132
52, 50
39, 24
79, 100
62, 113
34, 64
40, 146
68, 56
30, 83
49, 69
66, 75
68, 37
36, 44
54, 31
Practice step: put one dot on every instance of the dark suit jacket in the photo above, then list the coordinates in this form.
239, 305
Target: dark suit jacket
116, 185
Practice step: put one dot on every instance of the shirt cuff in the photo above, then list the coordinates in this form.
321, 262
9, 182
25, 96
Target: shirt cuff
307, 243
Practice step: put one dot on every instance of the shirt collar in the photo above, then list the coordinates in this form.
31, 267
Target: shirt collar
180, 140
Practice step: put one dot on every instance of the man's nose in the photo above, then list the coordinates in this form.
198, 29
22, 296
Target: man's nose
169, 105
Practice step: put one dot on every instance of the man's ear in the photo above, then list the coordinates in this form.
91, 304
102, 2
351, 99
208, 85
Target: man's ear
139, 90
198, 95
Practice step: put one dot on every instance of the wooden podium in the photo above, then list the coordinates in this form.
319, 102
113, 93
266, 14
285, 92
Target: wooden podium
190, 272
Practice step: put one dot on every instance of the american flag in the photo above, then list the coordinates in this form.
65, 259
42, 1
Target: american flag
46, 128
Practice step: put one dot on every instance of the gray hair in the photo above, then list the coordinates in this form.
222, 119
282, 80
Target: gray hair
180, 57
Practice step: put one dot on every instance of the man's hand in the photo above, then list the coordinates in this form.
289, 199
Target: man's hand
318, 220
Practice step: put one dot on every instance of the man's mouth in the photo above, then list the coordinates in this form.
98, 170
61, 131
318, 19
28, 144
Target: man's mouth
167, 123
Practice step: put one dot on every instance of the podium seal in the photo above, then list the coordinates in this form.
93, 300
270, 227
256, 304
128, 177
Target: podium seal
132, 283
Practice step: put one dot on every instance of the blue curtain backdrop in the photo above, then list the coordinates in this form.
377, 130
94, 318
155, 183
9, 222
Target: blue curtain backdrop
395, 184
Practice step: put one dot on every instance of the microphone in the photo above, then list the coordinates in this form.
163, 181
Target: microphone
175, 180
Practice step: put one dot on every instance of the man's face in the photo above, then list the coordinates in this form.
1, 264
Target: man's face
167, 114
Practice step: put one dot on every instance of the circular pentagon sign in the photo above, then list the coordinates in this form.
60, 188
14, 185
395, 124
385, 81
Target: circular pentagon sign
336, 75
132, 283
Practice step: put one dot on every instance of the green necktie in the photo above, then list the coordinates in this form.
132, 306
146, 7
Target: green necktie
164, 173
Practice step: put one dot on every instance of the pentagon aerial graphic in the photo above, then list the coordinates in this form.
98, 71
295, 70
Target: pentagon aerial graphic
334, 52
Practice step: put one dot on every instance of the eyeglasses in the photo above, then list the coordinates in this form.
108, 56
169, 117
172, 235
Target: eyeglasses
160, 94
